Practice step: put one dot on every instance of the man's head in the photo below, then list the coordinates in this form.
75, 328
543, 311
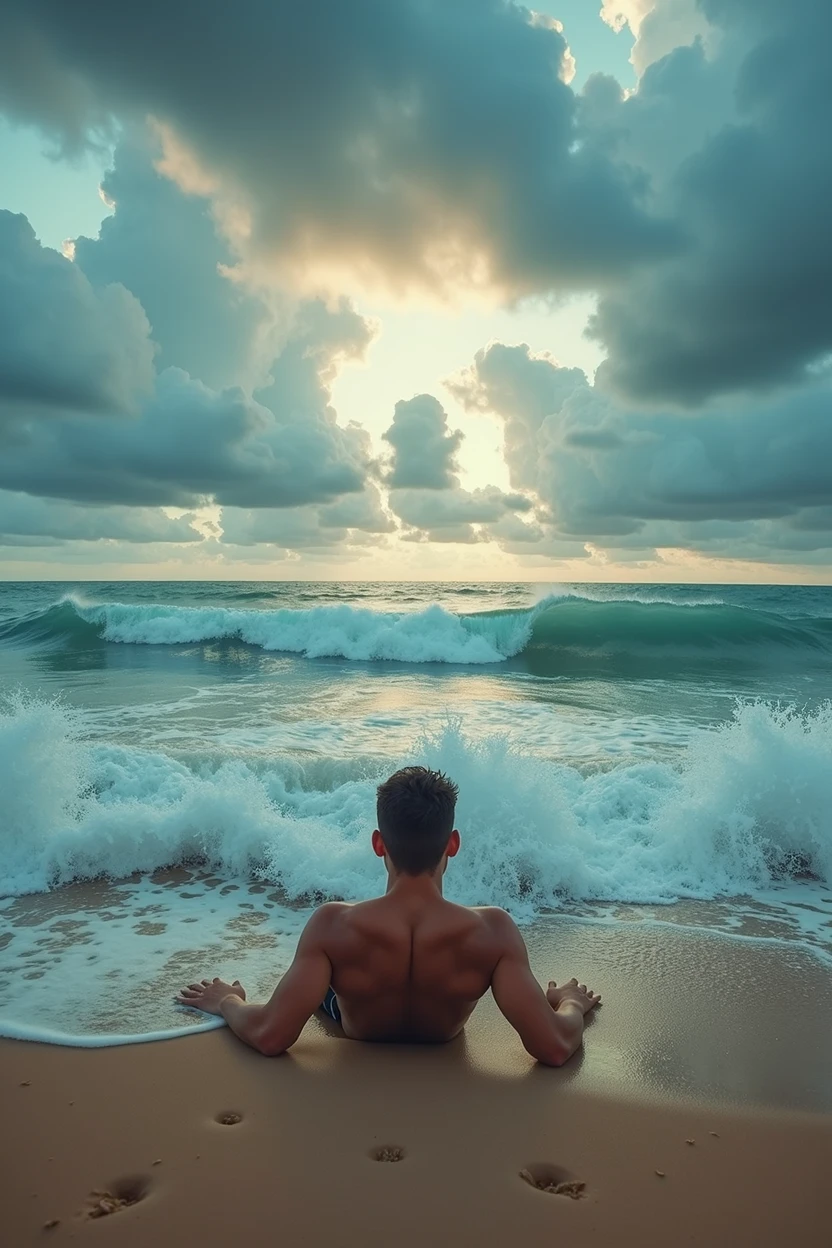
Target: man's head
415, 814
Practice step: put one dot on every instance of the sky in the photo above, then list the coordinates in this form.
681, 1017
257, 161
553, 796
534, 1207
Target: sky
424, 290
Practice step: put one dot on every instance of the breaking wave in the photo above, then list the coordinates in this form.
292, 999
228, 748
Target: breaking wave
562, 631
748, 804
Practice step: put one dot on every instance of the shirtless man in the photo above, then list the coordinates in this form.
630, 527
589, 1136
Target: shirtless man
408, 966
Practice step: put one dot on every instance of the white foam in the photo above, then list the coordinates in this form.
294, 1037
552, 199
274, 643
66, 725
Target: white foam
102, 963
746, 807
648, 595
432, 635
80, 956
748, 803
47, 1035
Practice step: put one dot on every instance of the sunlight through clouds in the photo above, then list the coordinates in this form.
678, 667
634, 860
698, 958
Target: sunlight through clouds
453, 296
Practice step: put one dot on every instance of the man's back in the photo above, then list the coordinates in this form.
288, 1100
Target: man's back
409, 968
409, 965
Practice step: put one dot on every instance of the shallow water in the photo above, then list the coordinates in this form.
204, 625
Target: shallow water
615, 746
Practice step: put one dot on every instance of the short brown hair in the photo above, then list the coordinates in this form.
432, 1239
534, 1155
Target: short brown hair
415, 813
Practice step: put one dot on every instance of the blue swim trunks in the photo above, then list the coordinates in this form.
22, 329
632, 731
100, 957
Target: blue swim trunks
329, 1005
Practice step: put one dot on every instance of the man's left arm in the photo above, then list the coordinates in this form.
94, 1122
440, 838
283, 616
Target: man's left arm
274, 1027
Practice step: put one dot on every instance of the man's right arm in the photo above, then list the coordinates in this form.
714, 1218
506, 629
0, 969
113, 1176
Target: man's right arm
551, 1033
274, 1027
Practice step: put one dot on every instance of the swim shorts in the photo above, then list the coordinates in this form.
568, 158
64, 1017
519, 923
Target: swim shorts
329, 1005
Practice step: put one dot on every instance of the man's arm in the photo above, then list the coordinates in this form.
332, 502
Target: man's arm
274, 1027
551, 1026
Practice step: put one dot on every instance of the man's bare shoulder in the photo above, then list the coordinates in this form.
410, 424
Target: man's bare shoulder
326, 918
488, 920
493, 915
336, 918
500, 924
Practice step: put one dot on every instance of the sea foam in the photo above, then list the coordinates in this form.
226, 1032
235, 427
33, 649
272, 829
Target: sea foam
747, 804
432, 635
744, 810
564, 631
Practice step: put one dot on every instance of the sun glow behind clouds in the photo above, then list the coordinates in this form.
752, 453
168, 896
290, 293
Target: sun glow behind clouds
417, 350
620, 13
263, 250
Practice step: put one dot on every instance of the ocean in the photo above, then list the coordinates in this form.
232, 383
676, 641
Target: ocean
186, 769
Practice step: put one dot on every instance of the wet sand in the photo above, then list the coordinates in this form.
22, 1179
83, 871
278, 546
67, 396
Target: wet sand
700, 1113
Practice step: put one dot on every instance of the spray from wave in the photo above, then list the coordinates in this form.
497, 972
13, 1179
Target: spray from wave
561, 632
748, 805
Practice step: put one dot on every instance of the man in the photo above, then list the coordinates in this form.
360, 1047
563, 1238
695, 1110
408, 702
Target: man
408, 966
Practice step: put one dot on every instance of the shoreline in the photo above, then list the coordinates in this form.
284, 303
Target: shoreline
690, 1014
729, 1052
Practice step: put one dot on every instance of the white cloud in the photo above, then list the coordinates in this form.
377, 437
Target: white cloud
356, 520
749, 475
424, 449
658, 25
425, 491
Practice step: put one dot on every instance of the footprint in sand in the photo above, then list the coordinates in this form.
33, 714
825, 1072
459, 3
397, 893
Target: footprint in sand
121, 1194
553, 1179
388, 1152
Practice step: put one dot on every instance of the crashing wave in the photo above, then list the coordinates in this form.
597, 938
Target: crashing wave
561, 632
747, 804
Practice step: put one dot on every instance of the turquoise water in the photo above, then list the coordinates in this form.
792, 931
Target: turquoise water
665, 747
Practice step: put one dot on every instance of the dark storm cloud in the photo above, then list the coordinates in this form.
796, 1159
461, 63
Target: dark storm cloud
75, 365
604, 472
63, 342
190, 445
426, 140
740, 154
31, 521
36, 86
164, 247
433, 142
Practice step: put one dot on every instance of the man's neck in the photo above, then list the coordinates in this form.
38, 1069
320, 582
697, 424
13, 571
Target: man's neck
426, 886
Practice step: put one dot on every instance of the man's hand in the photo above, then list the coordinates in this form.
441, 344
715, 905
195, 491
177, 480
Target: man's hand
208, 995
577, 993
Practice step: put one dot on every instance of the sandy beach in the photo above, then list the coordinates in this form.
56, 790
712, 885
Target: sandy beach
699, 1113
416, 495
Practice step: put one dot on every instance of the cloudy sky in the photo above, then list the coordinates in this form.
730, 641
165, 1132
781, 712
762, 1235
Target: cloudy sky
416, 289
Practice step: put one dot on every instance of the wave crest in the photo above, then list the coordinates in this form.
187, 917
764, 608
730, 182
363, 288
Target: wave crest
560, 633
747, 805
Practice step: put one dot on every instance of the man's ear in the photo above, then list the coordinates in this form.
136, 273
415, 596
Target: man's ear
453, 844
378, 844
